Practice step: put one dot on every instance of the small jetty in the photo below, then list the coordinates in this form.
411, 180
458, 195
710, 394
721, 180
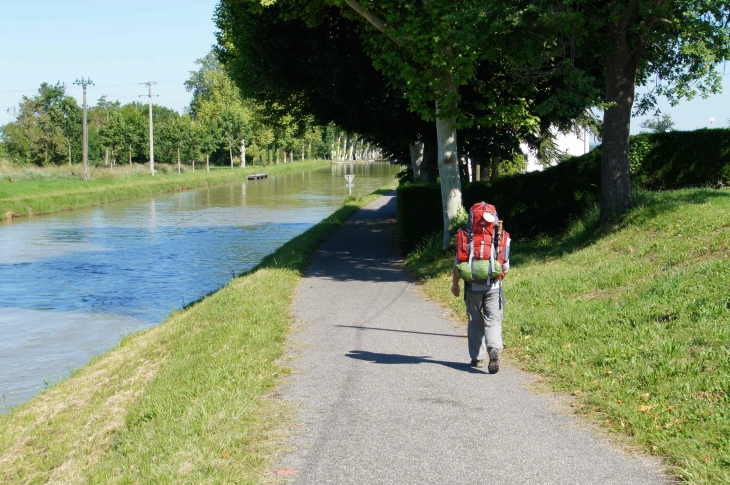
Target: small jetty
257, 176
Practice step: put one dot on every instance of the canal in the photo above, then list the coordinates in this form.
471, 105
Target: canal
73, 283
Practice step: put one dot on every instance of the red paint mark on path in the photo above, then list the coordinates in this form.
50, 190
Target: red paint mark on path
286, 471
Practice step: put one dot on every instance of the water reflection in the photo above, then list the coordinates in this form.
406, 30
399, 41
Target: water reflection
113, 269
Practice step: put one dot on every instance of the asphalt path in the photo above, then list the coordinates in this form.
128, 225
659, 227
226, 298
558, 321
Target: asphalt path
385, 393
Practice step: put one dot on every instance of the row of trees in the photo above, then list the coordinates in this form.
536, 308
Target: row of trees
410, 74
219, 124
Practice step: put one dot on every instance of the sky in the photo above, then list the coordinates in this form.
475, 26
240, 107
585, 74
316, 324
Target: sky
119, 45
116, 44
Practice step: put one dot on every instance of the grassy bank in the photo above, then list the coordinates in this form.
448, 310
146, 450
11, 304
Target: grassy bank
33, 192
633, 320
187, 401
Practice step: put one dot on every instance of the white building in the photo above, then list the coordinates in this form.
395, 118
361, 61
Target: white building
570, 143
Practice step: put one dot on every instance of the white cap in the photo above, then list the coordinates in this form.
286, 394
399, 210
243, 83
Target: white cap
488, 217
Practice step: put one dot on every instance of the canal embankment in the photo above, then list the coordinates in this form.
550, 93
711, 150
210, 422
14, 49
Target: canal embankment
630, 321
188, 400
21, 196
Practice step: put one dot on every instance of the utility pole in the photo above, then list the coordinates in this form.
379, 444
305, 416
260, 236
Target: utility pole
152, 145
85, 82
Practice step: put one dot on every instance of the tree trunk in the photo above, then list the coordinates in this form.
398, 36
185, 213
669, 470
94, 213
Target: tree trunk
337, 154
430, 160
486, 169
448, 171
417, 159
621, 66
495, 168
302, 151
69, 154
243, 153
106, 157
291, 156
130, 158
207, 163
230, 153
469, 170
193, 164
178, 161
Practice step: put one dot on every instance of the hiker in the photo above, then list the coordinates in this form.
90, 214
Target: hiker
482, 260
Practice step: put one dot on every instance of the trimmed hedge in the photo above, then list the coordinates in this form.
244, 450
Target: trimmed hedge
419, 213
545, 202
681, 159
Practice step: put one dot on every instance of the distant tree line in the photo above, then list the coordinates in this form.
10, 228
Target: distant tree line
220, 125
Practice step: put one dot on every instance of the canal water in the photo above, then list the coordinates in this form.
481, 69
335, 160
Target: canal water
73, 283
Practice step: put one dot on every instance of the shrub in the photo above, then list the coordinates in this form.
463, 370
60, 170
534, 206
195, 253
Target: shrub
545, 202
419, 214
680, 159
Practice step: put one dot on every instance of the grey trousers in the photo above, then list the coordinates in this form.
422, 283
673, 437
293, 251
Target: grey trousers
485, 323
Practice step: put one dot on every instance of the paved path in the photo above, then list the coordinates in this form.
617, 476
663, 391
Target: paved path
387, 396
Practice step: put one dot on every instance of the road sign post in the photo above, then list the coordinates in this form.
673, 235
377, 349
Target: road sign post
350, 185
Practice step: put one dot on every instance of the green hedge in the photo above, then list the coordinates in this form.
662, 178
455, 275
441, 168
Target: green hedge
545, 202
419, 213
681, 159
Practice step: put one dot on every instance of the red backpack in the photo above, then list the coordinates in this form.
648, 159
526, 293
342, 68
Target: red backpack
482, 239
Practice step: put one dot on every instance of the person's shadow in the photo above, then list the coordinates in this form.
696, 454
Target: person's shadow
379, 358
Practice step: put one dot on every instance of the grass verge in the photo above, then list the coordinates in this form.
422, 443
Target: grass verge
632, 319
37, 195
184, 402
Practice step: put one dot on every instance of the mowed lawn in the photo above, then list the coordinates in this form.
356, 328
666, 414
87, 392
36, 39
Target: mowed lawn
633, 320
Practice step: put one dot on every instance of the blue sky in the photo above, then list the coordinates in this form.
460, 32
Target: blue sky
116, 44
120, 44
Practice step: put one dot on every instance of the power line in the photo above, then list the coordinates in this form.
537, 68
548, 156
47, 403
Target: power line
85, 82
30, 90
152, 146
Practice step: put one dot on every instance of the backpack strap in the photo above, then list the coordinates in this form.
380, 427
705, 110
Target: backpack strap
471, 255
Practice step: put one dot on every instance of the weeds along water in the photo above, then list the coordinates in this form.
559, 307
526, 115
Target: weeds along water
31, 190
632, 319
187, 401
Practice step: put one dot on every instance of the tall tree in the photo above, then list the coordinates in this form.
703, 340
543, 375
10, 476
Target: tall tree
308, 62
174, 135
431, 57
429, 51
661, 124
113, 133
679, 43
98, 115
207, 140
671, 46
230, 124
47, 126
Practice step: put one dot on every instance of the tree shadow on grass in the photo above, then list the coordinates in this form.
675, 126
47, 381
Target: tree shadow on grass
381, 358
588, 230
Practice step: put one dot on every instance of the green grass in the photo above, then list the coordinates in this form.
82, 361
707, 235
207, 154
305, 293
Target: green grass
39, 191
632, 319
188, 401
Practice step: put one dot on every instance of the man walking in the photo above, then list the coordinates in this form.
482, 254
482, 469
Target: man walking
483, 293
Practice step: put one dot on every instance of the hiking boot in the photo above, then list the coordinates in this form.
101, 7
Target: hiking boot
493, 366
477, 363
